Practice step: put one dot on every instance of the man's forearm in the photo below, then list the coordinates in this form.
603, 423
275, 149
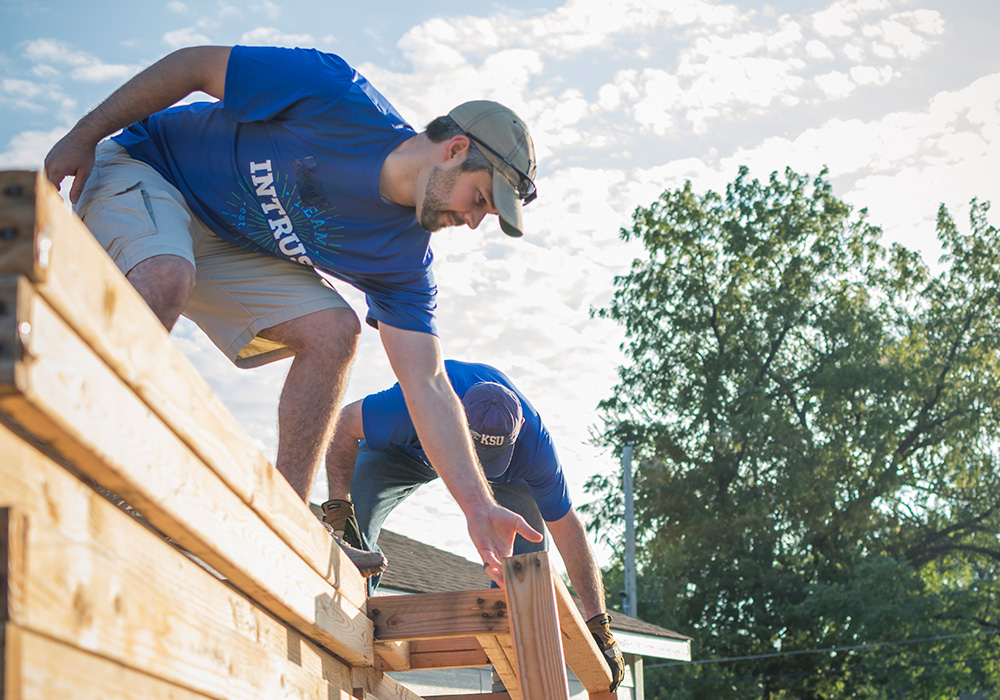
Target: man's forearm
570, 539
440, 421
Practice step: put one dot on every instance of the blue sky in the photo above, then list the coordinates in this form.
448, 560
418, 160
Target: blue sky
900, 99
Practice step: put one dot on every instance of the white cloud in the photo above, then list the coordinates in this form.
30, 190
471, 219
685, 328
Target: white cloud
26, 150
835, 84
189, 36
903, 163
269, 36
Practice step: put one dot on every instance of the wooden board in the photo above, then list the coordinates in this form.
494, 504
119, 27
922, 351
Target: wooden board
437, 615
51, 669
54, 249
534, 627
452, 652
98, 580
500, 651
69, 398
583, 655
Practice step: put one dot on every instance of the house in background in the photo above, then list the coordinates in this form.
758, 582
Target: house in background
415, 567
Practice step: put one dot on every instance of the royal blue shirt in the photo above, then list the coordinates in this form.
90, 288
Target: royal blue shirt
386, 422
288, 165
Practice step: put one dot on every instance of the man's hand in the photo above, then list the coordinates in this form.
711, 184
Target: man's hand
600, 628
72, 156
493, 532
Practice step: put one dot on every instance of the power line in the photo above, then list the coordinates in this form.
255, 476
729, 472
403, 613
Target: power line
828, 650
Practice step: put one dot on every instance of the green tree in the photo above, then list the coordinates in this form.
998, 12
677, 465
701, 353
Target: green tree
815, 418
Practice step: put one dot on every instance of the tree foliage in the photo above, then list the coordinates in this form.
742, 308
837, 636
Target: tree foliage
816, 419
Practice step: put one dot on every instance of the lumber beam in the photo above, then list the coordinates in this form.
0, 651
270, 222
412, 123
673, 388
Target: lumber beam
99, 581
43, 240
52, 669
68, 397
438, 615
392, 656
500, 651
534, 627
372, 684
452, 652
583, 655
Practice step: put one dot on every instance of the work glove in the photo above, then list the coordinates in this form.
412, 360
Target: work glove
600, 629
339, 520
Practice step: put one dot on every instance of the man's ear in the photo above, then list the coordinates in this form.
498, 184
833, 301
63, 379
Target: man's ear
456, 147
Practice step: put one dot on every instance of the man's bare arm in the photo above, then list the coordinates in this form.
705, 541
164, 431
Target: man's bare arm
343, 451
172, 78
570, 538
440, 421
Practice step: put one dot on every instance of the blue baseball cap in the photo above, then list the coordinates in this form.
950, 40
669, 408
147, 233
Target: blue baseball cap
494, 415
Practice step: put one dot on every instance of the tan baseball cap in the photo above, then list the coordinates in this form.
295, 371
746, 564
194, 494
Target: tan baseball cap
505, 141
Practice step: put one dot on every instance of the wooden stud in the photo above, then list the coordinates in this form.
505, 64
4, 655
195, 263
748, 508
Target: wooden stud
76, 277
452, 652
70, 399
437, 615
392, 656
501, 655
534, 627
583, 655
98, 580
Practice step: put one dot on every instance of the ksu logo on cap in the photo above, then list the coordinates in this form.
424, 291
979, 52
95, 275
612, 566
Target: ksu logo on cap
491, 440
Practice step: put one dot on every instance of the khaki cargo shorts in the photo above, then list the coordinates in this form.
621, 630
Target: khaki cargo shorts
136, 214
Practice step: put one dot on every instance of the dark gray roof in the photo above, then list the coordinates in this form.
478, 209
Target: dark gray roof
415, 567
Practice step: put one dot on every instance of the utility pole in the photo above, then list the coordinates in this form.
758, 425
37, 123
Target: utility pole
630, 592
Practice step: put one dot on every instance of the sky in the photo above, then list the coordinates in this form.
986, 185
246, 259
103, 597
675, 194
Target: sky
899, 99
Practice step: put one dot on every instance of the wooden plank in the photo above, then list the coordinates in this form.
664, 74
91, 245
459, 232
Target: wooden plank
70, 399
475, 696
55, 670
375, 685
100, 581
501, 655
11, 664
79, 280
534, 627
437, 615
583, 655
392, 656
13, 552
452, 652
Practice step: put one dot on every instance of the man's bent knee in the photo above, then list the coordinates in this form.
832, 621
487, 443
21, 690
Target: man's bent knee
166, 283
329, 331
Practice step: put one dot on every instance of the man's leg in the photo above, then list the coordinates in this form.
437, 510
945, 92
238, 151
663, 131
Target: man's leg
324, 343
166, 283
382, 480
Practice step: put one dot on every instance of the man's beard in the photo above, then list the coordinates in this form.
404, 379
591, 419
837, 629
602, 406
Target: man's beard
435, 215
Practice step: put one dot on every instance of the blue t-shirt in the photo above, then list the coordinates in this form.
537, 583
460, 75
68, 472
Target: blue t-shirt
386, 422
288, 165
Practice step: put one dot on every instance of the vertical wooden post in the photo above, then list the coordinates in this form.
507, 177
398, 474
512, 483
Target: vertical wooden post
13, 548
534, 627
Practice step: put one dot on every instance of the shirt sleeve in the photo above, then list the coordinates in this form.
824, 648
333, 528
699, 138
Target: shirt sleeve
547, 482
256, 75
386, 421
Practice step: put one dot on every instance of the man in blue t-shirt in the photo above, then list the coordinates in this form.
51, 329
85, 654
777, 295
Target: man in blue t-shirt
224, 210
376, 460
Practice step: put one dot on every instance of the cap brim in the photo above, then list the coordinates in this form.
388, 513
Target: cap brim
508, 205
494, 460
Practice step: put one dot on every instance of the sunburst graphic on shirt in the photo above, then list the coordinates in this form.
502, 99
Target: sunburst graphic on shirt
269, 212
